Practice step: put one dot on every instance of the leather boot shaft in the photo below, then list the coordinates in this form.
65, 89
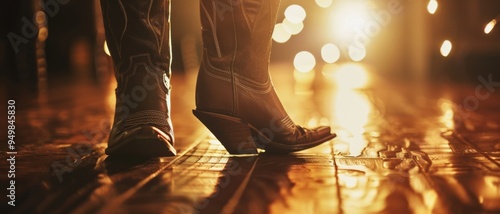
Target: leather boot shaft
237, 35
138, 27
234, 77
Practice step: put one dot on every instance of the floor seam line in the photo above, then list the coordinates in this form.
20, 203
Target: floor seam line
461, 139
336, 170
235, 199
130, 192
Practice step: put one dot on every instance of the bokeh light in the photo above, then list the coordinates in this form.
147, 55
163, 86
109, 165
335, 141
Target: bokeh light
447, 116
348, 18
304, 61
330, 53
351, 113
40, 18
446, 48
432, 6
280, 35
357, 52
351, 76
324, 3
295, 13
489, 27
292, 28
43, 33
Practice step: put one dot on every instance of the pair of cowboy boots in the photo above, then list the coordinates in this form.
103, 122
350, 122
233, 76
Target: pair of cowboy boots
235, 97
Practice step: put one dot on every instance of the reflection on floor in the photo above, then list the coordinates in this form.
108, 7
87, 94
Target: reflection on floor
401, 148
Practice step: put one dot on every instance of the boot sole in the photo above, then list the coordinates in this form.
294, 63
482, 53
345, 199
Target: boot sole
143, 142
240, 137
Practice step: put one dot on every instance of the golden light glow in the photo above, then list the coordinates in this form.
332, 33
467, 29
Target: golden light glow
352, 109
446, 118
106, 49
432, 6
446, 48
111, 96
351, 76
351, 113
492, 182
280, 35
330, 53
348, 181
489, 27
40, 18
357, 53
292, 28
324, 3
349, 17
43, 33
303, 83
304, 61
301, 197
295, 13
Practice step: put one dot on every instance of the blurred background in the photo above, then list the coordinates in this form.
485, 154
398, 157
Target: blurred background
444, 40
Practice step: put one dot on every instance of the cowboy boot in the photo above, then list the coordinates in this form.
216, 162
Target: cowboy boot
138, 37
235, 97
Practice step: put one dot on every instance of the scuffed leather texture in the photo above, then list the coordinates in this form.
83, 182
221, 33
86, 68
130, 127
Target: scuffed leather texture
234, 78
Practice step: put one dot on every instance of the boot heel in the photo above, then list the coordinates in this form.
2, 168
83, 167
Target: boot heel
232, 132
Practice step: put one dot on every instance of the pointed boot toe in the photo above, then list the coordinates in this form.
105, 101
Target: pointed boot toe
322, 132
301, 139
140, 142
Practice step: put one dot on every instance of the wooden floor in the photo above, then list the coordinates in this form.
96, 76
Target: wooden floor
402, 147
